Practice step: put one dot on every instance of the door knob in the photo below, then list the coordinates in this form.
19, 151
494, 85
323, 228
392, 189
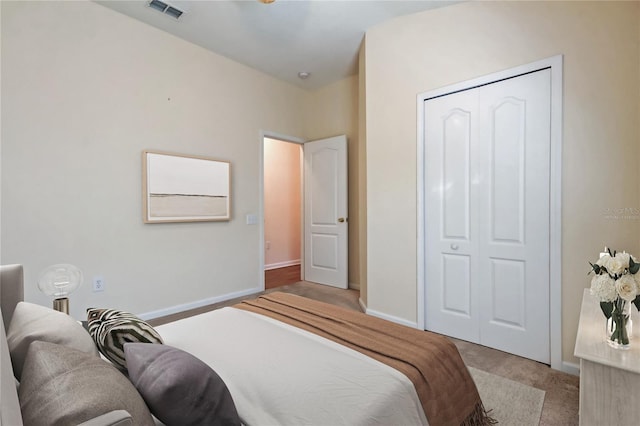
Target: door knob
342, 219
454, 247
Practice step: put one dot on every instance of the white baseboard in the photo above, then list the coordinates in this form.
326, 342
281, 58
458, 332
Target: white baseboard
571, 368
281, 264
354, 286
363, 306
391, 318
197, 304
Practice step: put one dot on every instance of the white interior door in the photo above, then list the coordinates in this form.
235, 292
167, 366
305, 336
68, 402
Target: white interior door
452, 251
487, 214
326, 220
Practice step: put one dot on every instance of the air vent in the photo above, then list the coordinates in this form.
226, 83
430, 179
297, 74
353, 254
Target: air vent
163, 7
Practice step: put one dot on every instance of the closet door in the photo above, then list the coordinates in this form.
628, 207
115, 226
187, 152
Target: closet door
451, 206
487, 215
515, 137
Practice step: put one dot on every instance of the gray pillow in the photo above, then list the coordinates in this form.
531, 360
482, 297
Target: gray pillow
34, 322
64, 386
179, 388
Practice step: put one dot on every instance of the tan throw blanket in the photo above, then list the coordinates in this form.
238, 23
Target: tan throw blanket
432, 362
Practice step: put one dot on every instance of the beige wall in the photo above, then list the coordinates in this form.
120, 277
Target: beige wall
1, 66
417, 53
332, 111
362, 171
84, 91
282, 202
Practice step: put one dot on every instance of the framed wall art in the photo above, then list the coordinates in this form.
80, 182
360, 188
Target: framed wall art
185, 188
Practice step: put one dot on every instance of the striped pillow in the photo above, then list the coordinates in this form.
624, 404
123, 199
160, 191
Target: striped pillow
111, 329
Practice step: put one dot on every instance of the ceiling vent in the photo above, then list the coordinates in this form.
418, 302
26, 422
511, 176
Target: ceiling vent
165, 8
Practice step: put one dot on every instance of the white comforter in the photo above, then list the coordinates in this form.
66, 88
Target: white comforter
281, 375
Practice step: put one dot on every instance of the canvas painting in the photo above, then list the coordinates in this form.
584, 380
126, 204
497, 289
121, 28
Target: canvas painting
181, 188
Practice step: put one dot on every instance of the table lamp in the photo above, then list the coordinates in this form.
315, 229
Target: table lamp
59, 281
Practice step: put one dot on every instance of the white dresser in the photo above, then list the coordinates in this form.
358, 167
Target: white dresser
609, 378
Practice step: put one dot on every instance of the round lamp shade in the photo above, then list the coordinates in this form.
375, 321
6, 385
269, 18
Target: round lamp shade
59, 280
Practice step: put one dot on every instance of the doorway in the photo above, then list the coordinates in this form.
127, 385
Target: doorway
473, 211
282, 186
323, 209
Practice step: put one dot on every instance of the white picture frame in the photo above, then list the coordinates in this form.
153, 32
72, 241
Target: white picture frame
185, 188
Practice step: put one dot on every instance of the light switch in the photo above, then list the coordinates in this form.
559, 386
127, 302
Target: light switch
252, 219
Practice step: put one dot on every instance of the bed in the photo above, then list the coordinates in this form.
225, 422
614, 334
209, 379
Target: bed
288, 360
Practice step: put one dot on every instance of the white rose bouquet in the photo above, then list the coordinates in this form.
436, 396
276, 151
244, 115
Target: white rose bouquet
616, 284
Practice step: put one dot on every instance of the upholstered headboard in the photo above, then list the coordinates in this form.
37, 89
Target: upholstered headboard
11, 290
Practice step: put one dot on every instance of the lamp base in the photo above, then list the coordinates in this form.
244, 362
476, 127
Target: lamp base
61, 304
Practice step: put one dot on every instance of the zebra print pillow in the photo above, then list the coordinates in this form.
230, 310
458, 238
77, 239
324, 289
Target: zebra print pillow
111, 329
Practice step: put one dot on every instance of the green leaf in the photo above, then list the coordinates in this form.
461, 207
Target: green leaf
595, 268
633, 266
607, 308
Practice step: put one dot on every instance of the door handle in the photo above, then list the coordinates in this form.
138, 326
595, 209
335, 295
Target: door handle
342, 219
454, 247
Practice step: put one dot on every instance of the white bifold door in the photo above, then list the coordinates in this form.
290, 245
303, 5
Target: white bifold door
487, 156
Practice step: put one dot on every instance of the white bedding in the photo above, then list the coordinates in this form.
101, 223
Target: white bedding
281, 375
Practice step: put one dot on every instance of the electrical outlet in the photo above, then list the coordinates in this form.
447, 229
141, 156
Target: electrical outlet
98, 284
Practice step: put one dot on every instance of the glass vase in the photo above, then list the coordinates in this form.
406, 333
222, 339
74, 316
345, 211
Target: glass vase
619, 326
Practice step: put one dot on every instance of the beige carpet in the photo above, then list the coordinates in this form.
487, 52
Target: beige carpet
512, 403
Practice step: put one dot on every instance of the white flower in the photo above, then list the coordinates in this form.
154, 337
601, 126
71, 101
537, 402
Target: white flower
636, 278
603, 260
624, 259
626, 287
615, 265
603, 287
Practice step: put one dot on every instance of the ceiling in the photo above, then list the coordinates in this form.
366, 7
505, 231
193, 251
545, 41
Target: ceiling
321, 37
